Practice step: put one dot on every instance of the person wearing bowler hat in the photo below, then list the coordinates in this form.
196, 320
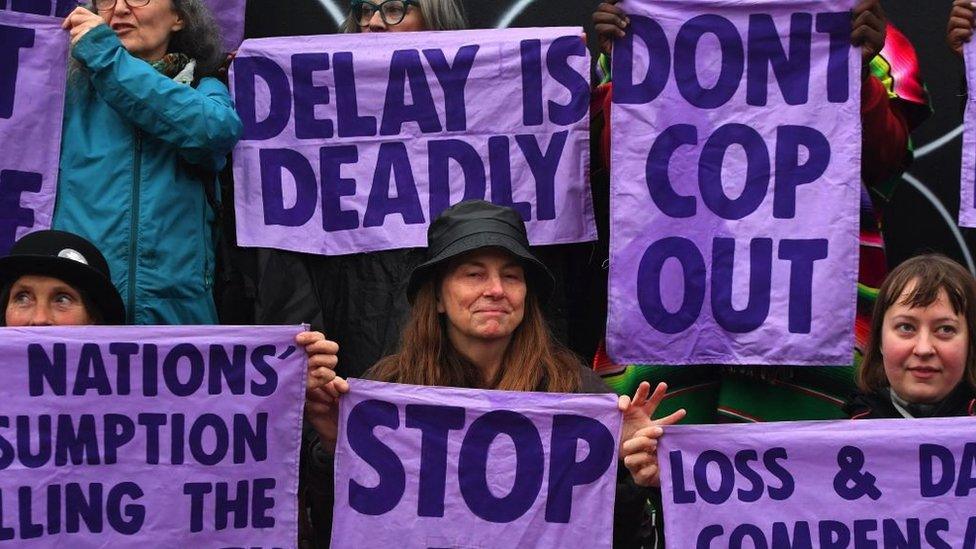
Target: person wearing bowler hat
55, 278
476, 322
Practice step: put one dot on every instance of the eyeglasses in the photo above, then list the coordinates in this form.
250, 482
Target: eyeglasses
392, 12
108, 5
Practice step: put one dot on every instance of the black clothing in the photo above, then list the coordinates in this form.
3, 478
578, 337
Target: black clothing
360, 300
357, 300
960, 402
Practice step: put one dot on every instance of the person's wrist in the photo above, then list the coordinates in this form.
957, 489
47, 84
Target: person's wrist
327, 445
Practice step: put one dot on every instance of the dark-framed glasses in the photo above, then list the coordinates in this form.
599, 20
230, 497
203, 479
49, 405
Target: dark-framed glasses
392, 12
107, 5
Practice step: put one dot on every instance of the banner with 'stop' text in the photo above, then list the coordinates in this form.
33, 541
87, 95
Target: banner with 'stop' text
33, 68
735, 180
829, 484
355, 142
421, 467
150, 436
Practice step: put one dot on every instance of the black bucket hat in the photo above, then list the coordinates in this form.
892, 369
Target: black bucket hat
475, 224
70, 258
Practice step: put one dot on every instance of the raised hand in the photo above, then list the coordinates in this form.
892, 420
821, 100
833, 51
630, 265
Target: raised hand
640, 433
959, 31
869, 29
610, 22
79, 22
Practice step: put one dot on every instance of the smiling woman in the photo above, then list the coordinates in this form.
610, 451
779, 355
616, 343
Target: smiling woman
476, 319
475, 322
482, 293
921, 360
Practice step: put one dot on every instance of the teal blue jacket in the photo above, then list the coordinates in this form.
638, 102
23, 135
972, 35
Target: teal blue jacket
137, 150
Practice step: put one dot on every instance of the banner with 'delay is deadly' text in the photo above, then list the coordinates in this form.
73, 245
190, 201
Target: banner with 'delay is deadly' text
421, 467
840, 484
33, 65
150, 436
356, 142
735, 183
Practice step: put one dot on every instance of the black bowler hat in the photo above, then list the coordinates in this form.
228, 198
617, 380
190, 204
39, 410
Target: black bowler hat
70, 258
475, 224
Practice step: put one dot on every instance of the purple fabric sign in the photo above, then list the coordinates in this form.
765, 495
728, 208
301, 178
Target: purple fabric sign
735, 183
150, 436
33, 65
355, 142
230, 16
836, 484
58, 8
420, 467
967, 202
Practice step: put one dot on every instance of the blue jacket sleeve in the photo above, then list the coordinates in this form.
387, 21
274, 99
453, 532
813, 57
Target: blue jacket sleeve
200, 122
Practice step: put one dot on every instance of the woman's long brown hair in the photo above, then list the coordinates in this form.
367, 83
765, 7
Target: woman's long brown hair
534, 361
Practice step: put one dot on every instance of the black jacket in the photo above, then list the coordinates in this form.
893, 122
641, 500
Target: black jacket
960, 402
360, 300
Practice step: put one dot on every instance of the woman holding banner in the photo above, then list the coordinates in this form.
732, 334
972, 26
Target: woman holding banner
893, 103
476, 322
146, 128
959, 31
921, 358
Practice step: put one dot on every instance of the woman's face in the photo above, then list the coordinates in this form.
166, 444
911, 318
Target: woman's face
483, 296
44, 301
924, 349
144, 31
412, 19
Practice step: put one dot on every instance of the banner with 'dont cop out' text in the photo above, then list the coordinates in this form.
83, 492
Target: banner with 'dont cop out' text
735, 180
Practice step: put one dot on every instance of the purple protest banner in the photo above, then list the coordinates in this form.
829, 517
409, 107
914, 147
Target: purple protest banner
58, 8
967, 178
830, 484
33, 68
355, 142
420, 467
150, 436
230, 16
734, 184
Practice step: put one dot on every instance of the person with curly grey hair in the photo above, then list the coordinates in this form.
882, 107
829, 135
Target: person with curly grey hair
146, 129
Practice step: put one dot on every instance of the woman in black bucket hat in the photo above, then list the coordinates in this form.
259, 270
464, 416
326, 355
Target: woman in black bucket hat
476, 322
57, 278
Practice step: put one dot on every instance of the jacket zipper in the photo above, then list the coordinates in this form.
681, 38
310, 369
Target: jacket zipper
130, 309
